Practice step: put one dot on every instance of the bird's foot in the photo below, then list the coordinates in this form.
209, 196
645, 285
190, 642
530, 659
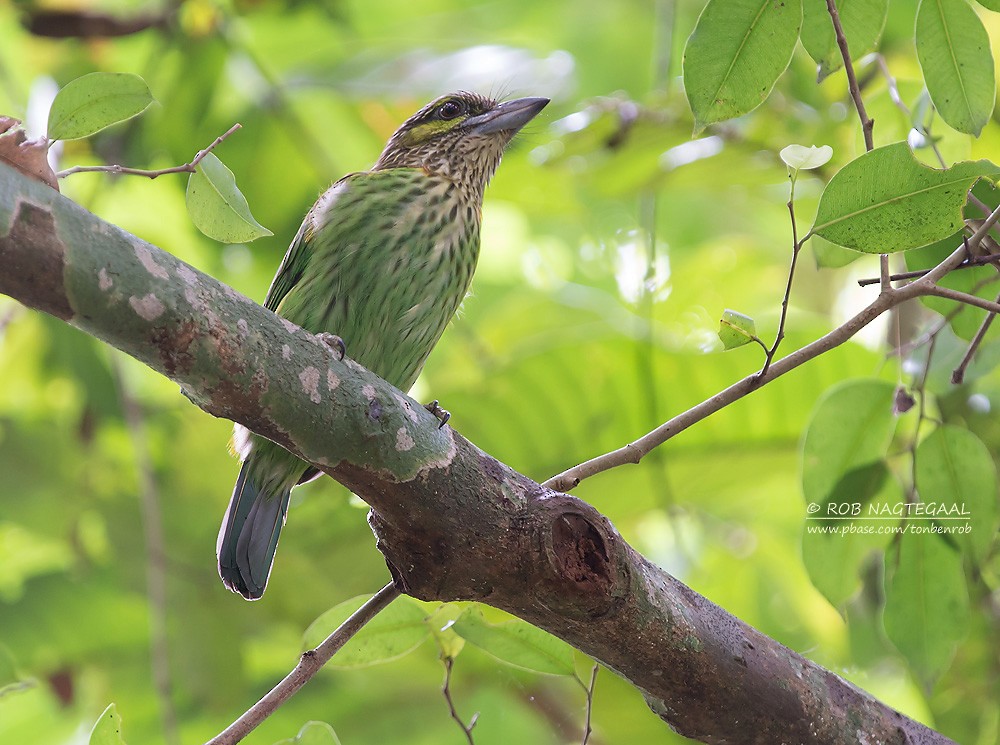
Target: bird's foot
334, 343
442, 414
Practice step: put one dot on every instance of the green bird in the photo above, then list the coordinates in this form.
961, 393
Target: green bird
382, 260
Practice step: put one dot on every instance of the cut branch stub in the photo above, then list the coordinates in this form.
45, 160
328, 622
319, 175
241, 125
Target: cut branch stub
582, 548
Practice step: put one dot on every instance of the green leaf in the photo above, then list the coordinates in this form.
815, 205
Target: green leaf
217, 207
927, 604
886, 201
834, 551
517, 643
441, 623
990, 4
108, 729
954, 468
803, 158
735, 54
830, 255
393, 633
95, 101
862, 20
954, 53
11, 682
313, 733
850, 427
844, 472
736, 329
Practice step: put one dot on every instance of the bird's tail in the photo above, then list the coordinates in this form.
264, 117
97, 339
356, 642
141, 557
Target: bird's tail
249, 535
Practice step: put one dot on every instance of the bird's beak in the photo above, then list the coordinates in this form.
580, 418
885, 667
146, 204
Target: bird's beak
509, 116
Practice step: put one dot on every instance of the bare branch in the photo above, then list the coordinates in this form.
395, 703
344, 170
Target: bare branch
449, 663
634, 451
309, 664
963, 297
589, 690
917, 273
125, 170
852, 79
958, 374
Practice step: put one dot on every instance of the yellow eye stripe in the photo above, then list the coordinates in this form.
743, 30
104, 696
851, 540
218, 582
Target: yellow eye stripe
426, 130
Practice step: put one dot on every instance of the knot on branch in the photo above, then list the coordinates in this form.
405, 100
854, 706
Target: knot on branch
583, 553
578, 553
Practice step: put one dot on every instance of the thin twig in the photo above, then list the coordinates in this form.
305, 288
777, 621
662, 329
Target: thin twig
156, 568
973, 199
125, 170
634, 452
852, 79
885, 281
796, 248
963, 297
589, 690
921, 387
890, 82
967, 264
449, 663
309, 664
958, 374
923, 129
867, 124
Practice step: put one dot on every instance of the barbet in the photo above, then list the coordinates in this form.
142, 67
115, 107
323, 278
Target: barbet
382, 260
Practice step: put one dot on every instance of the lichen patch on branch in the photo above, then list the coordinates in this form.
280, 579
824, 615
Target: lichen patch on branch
445, 460
187, 275
403, 440
145, 257
148, 307
332, 380
104, 281
405, 403
310, 383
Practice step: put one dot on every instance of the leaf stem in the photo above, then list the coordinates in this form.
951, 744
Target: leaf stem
796, 247
151, 174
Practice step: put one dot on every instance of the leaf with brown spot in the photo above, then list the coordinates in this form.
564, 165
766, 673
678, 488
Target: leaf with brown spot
24, 155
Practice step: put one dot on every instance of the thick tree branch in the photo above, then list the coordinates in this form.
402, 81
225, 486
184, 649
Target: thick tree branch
452, 522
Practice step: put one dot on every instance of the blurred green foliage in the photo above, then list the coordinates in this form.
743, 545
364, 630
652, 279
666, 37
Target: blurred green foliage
612, 243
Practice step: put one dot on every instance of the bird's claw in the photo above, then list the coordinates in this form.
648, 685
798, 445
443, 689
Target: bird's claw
334, 343
442, 414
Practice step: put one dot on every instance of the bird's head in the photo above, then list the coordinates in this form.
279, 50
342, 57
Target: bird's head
460, 136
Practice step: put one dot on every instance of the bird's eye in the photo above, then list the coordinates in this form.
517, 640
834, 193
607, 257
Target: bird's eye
450, 109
